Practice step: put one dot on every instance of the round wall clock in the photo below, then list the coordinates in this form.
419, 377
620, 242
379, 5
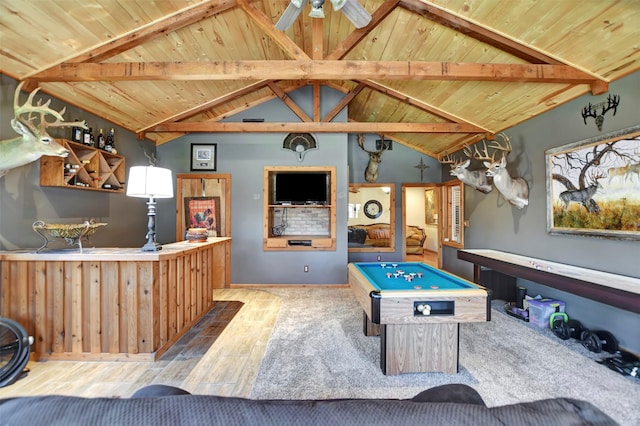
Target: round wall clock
373, 209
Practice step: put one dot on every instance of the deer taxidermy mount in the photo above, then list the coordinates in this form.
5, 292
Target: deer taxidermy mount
299, 143
375, 158
476, 179
353, 10
515, 191
30, 123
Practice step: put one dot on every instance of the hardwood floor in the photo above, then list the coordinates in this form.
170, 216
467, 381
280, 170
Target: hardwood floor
216, 357
210, 359
428, 257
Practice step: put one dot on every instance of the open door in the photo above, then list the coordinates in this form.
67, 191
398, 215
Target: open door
438, 210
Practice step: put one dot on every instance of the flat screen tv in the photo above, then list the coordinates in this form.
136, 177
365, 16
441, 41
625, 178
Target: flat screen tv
301, 188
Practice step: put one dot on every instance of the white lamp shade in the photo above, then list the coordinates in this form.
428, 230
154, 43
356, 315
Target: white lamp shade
149, 181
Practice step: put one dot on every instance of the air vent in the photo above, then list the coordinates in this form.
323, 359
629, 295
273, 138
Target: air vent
253, 120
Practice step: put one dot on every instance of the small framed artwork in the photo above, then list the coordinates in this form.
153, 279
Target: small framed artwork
203, 156
593, 186
386, 144
202, 212
430, 207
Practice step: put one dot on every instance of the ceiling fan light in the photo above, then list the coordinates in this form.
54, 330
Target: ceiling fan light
316, 12
290, 14
354, 11
337, 4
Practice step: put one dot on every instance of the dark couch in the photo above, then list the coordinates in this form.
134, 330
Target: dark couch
158, 405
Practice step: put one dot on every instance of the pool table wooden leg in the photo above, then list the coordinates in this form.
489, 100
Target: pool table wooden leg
419, 348
369, 328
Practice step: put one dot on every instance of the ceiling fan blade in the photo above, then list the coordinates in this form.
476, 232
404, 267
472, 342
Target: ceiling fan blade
290, 14
354, 11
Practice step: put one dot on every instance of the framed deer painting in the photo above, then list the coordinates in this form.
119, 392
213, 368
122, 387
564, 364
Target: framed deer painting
593, 186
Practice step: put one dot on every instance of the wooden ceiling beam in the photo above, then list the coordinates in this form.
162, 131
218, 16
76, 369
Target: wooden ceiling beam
343, 103
289, 102
404, 98
489, 36
285, 43
311, 127
478, 32
357, 35
315, 70
185, 115
148, 32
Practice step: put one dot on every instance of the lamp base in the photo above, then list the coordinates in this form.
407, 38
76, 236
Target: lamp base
151, 246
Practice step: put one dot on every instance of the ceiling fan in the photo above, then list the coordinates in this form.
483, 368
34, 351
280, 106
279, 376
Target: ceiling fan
353, 10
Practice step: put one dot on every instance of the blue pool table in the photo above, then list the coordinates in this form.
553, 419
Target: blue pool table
416, 309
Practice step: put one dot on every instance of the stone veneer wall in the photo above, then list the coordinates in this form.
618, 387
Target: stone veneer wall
303, 221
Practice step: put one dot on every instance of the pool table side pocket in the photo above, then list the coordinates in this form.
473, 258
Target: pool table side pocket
400, 310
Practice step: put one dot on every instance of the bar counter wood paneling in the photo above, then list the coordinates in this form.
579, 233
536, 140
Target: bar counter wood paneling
615, 290
111, 303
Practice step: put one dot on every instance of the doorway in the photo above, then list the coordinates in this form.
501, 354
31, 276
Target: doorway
420, 210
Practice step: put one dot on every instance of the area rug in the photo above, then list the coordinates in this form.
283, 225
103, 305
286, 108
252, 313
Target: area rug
318, 351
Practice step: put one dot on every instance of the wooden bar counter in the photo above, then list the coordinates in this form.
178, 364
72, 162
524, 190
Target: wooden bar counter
111, 303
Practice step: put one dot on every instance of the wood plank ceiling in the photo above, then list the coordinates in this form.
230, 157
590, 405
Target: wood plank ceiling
433, 75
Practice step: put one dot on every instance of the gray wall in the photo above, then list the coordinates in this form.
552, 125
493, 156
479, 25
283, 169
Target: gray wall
244, 156
23, 200
398, 166
494, 224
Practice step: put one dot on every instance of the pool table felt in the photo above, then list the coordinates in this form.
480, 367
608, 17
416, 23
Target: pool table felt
397, 306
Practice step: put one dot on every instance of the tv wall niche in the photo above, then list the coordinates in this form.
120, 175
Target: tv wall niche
299, 208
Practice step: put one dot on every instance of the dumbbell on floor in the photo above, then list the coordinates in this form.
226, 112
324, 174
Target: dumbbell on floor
564, 328
598, 341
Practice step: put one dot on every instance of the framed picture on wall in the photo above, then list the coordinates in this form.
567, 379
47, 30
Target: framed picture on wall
203, 157
430, 207
202, 212
593, 186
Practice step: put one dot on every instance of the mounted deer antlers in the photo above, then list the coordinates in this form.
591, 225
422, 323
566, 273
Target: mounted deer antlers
515, 191
34, 141
591, 110
375, 157
474, 178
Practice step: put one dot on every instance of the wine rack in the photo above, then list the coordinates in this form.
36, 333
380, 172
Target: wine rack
85, 167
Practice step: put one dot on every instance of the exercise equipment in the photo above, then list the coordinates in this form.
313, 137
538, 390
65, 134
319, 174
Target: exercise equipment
624, 363
598, 341
565, 328
15, 347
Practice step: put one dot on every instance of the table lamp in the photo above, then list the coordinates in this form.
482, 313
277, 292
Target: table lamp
150, 182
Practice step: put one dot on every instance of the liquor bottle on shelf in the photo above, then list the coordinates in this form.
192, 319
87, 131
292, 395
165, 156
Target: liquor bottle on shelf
87, 135
76, 134
101, 140
109, 144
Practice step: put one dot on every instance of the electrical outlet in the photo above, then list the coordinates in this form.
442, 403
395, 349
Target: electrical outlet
379, 258
306, 268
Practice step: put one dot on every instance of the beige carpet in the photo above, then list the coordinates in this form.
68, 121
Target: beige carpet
318, 351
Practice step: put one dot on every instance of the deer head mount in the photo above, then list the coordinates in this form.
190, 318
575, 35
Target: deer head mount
375, 158
591, 110
29, 121
514, 190
476, 179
